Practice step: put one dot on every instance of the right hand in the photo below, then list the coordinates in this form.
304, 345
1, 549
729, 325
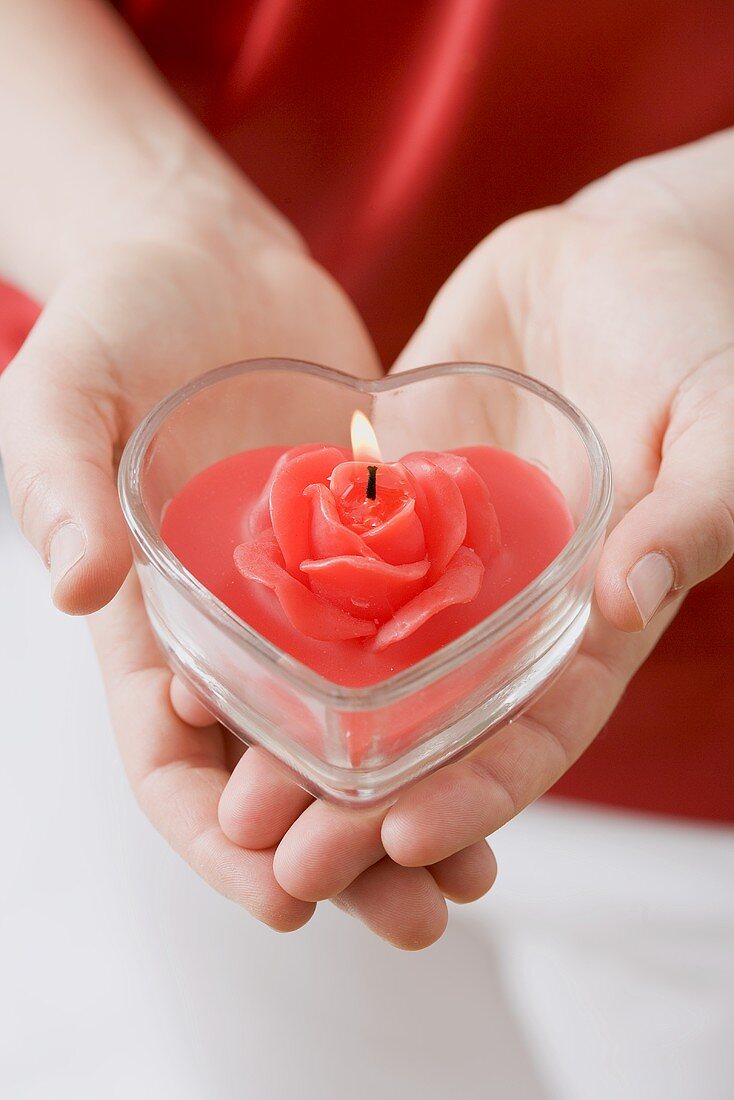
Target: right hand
134, 321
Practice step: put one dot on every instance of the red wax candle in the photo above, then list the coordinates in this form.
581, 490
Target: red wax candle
360, 568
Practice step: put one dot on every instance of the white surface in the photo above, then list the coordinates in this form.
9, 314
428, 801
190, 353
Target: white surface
602, 966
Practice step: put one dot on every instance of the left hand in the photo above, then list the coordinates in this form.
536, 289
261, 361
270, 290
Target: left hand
621, 300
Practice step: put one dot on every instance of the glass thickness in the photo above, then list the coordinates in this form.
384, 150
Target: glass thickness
360, 746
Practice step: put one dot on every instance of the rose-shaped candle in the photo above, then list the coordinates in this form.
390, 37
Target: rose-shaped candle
358, 548
360, 567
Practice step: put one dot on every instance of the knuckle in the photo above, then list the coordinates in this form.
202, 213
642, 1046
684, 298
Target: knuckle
29, 493
706, 546
501, 799
517, 769
719, 535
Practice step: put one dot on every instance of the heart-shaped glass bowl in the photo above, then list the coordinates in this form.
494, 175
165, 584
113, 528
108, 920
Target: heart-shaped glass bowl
445, 704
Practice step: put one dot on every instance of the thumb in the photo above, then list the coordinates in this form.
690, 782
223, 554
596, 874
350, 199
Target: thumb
682, 531
57, 442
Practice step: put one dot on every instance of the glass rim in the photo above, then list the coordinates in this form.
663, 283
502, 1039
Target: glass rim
450, 656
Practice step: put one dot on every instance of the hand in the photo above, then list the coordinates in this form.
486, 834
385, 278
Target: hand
618, 300
132, 323
157, 260
621, 300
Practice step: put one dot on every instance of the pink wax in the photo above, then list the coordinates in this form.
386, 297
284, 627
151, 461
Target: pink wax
211, 521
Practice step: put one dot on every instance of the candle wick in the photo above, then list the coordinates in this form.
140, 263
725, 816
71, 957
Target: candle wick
371, 483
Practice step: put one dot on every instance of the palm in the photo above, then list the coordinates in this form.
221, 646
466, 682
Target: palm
147, 318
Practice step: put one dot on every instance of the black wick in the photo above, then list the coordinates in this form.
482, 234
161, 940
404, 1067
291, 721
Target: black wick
371, 493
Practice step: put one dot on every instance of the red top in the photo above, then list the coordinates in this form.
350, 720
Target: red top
395, 136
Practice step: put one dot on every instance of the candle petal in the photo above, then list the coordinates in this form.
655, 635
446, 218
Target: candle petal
262, 561
441, 510
482, 526
459, 584
329, 537
260, 514
400, 539
290, 510
365, 587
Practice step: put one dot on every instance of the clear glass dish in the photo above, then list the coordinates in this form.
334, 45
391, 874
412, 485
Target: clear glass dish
445, 704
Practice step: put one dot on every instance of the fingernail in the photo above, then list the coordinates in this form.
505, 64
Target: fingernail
67, 548
650, 580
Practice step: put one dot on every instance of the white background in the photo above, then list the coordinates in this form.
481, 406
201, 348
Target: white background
601, 966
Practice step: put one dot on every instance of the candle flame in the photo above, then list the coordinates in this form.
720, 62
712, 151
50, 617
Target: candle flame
364, 440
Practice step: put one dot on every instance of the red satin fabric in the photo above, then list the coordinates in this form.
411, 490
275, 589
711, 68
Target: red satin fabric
395, 136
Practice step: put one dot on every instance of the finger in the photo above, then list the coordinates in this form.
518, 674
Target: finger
187, 706
326, 849
683, 531
467, 875
402, 905
464, 802
57, 441
178, 773
260, 802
